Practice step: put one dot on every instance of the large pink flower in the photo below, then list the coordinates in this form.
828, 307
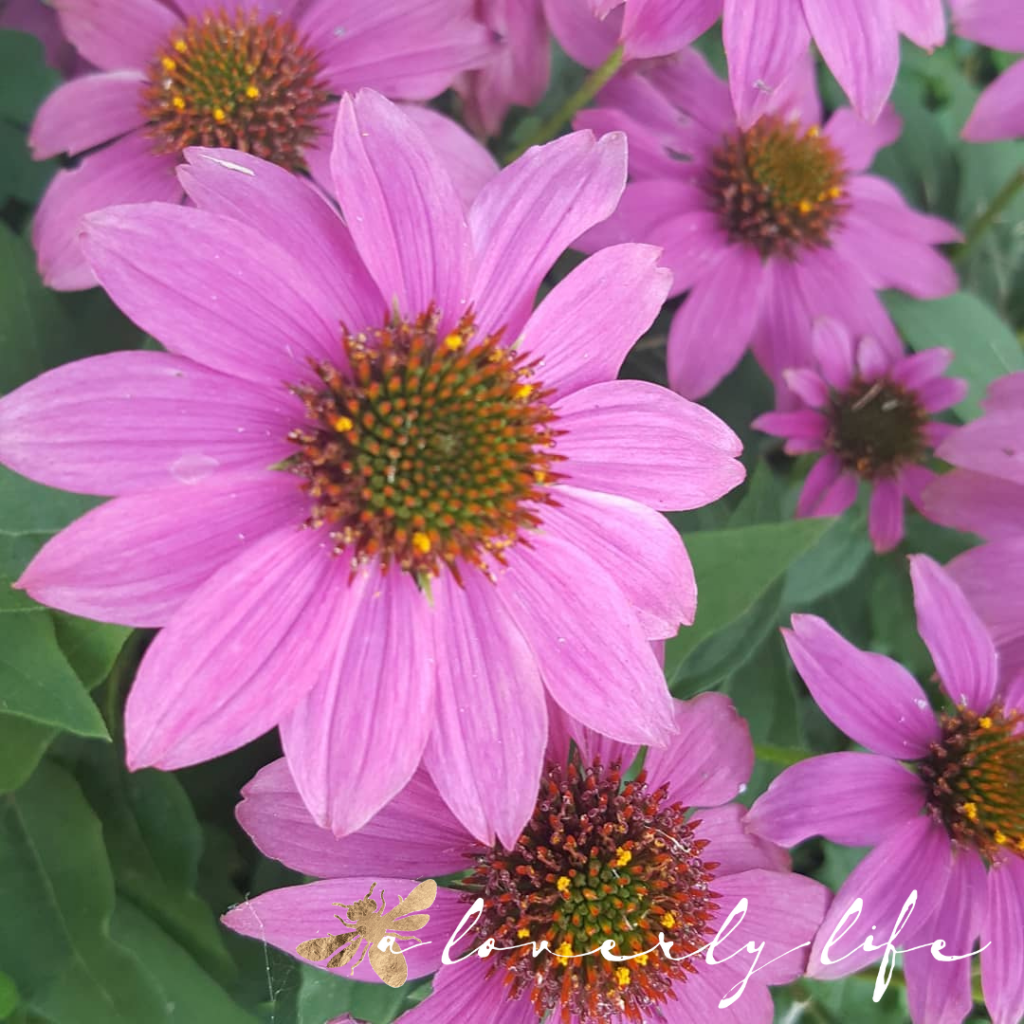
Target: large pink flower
598, 859
255, 76
767, 228
939, 798
999, 112
870, 415
374, 496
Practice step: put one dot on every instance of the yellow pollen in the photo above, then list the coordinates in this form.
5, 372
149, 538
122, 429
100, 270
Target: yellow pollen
421, 542
1000, 838
806, 206
813, 132
668, 921
643, 958
835, 192
342, 424
523, 933
564, 950
252, 92
168, 64
623, 857
971, 810
985, 723
218, 114
524, 391
454, 342
180, 45
178, 103
622, 976
563, 883
540, 476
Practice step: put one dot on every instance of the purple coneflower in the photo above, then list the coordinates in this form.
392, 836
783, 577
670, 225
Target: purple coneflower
870, 415
252, 76
939, 797
374, 496
768, 228
600, 858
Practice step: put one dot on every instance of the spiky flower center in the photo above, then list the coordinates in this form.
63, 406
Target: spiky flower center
244, 81
975, 779
599, 860
777, 187
876, 427
429, 450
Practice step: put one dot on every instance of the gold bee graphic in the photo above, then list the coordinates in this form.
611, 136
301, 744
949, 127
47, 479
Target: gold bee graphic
371, 925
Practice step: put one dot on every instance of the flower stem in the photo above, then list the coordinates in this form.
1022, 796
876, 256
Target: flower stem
1000, 202
591, 86
781, 755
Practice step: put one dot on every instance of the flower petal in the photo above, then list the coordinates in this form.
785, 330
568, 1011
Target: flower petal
849, 798
486, 750
960, 646
643, 442
710, 757
137, 559
885, 514
116, 34
875, 701
130, 421
858, 140
526, 216
415, 835
992, 444
976, 503
1002, 968
922, 21
823, 475
999, 112
737, 847
401, 206
241, 651
469, 992
656, 28
639, 548
593, 316
354, 740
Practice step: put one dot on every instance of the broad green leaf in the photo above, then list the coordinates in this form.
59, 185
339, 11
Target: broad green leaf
22, 744
90, 647
323, 996
829, 565
27, 79
984, 347
735, 568
21, 177
9, 997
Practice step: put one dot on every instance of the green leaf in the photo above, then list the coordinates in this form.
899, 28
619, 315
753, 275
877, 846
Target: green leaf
22, 744
9, 997
27, 79
21, 176
984, 347
323, 996
735, 568
90, 647
56, 898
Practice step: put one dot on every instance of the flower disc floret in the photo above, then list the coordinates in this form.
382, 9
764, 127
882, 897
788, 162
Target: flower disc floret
777, 187
430, 450
599, 860
240, 81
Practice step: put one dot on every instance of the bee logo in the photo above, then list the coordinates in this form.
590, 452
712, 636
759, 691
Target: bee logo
371, 925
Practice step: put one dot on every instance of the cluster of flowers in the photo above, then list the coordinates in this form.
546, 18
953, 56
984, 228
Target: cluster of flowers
375, 498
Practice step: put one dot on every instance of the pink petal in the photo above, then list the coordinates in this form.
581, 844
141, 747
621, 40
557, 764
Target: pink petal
960, 646
841, 494
691, 84
710, 757
1002, 967
467, 991
885, 515
734, 845
531, 212
655, 28
763, 40
588, 40
136, 560
922, 21
993, 444
915, 857
804, 425
239, 654
883, 200
994, 23
872, 359
486, 750
875, 701
643, 442
285, 918
468, 162
117, 34
834, 349
213, 289
699, 998
401, 206
704, 345
414, 835
589, 321
808, 386
860, 45
920, 367
913, 481
691, 241
824, 473
858, 140
355, 738
849, 798
130, 421
1006, 393
296, 217
593, 746
127, 171
596, 661
999, 112
86, 112
941, 393
937, 991
976, 503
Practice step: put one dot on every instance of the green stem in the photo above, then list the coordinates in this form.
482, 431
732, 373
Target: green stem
1000, 202
780, 755
591, 86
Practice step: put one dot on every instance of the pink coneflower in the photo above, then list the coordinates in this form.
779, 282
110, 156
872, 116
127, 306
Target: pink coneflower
939, 797
999, 112
870, 415
375, 497
598, 859
243, 76
767, 228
